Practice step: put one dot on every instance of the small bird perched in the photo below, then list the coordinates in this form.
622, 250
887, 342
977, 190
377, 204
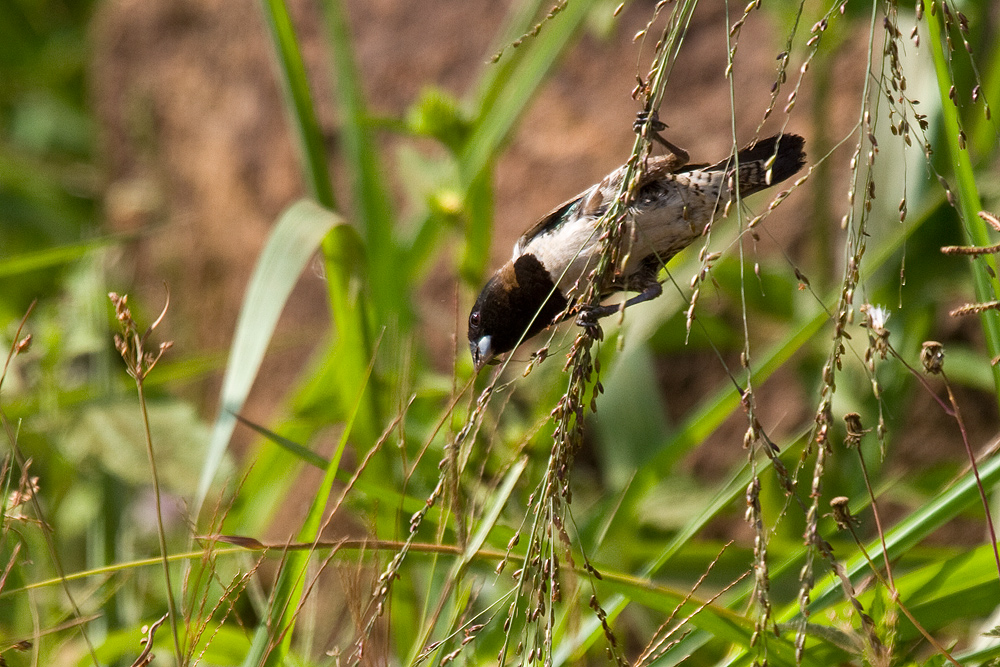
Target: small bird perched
675, 203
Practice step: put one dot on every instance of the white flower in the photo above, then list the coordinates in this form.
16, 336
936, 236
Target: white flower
877, 317
878, 335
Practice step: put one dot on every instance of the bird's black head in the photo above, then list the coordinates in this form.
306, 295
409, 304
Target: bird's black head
519, 301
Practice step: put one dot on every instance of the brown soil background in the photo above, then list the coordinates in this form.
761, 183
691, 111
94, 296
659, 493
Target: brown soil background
199, 152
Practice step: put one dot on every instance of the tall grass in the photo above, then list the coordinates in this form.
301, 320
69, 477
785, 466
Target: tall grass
543, 513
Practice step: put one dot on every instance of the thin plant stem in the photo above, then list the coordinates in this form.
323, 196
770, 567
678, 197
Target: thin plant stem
895, 597
969, 204
139, 362
953, 411
975, 471
878, 520
160, 531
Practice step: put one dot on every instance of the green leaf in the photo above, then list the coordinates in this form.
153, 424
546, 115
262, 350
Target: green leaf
286, 599
292, 242
301, 451
54, 256
984, 271
372, 200
910, 531
299, 100
507, 91
631, 413
948, 590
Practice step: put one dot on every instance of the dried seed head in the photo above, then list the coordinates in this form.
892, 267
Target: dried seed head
842, 513
975, 308
24, 494
855, 430
991, 219
932, 357
119, 304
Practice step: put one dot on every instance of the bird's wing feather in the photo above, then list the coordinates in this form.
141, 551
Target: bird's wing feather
592, 199
659, 166
547, 221
790, 159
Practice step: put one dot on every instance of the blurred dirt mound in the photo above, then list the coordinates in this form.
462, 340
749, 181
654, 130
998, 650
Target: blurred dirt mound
200, 154
197, 143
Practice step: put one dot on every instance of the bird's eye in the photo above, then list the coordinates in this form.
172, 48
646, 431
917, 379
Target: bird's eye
474, 319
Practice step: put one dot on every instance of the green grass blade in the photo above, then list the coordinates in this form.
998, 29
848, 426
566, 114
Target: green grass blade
289, 445
720, 622
509, 97
489, 521
343, 252
500, 106
984, 270
703, 421
495, 76
498, 502
50, 257
372, 200
285, 602
292, 242
910, 531
301, 110
947, 590
590, 630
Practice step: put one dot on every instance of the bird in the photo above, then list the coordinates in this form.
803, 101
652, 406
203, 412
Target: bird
674, 204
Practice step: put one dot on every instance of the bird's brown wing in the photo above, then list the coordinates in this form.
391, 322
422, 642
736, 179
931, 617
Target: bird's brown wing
547, 221
657, 167
660, 166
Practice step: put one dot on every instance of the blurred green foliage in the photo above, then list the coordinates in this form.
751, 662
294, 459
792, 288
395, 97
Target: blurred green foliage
441, 477
49, 180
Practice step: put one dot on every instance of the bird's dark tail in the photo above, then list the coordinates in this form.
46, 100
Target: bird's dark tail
770, 161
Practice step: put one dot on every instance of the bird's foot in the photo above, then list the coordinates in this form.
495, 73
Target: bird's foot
652, 120
589, 315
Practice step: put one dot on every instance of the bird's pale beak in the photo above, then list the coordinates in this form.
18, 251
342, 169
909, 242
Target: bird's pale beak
482, 351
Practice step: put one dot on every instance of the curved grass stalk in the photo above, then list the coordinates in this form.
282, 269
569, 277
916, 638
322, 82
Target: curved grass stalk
975, 229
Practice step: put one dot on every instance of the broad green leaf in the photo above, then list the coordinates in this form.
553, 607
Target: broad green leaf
911, 530
293, 241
